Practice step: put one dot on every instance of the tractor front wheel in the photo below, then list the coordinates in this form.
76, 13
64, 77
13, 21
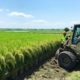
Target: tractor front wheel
67, 60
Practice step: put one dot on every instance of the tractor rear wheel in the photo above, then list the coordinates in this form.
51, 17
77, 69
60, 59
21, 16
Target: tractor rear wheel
67, 60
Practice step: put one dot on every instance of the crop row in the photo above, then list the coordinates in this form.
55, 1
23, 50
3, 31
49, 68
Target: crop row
16, 61
21, 50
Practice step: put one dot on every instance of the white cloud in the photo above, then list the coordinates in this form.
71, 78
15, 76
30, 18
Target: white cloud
39, 21
20, 14
44, 24
71, 23
38, 24
75, 22
1, 21
1, 10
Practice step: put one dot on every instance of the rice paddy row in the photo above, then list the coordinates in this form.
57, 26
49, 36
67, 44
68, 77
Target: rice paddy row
19, 50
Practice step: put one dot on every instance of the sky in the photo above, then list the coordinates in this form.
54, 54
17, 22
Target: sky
46, 14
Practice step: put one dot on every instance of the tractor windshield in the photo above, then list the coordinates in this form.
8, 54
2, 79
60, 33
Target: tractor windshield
76, 37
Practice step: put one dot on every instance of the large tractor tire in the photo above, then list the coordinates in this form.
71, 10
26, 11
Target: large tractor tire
67, 60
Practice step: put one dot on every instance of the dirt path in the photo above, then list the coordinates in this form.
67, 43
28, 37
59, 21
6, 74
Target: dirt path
48, 71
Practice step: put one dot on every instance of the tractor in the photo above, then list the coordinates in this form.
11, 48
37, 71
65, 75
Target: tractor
68, 54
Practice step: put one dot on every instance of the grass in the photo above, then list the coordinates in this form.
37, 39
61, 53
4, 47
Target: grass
19, 49
75, 75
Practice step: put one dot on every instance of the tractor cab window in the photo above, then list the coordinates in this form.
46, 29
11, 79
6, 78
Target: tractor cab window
76, 37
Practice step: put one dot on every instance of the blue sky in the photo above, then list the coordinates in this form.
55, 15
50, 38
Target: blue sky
39, 13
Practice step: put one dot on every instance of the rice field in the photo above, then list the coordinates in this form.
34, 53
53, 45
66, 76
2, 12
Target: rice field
19, 50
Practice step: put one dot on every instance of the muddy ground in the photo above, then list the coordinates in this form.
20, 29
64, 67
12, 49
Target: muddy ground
48, 71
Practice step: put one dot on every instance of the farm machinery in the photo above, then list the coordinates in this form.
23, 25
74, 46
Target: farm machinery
68, 55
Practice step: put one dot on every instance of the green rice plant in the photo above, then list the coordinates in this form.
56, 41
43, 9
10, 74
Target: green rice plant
2, 64
19, 51
10, 61
28, 60
19, 58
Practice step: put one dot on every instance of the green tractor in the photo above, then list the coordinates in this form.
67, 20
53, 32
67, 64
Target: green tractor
68, 55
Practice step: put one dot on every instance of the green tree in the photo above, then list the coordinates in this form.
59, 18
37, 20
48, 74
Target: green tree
66, 29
